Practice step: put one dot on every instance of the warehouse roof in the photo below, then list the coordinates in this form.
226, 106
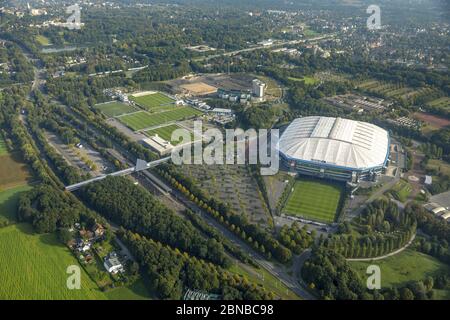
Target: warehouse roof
335, 141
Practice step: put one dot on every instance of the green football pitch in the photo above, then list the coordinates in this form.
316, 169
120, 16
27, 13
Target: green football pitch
154, 102
166, 133
142, 120
315, 200
114, 109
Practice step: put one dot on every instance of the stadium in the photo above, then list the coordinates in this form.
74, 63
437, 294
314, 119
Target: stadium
334, 148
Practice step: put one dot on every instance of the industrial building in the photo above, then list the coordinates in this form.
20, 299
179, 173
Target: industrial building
258, 88
335, 148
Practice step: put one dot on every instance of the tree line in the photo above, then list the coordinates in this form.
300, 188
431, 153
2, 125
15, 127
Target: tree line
132, 207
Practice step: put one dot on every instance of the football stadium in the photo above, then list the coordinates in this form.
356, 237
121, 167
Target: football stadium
335, 148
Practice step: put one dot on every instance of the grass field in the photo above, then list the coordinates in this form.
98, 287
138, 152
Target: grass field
439, 166
401, 190
43, 41
154, 101
307, 79
142, 120
34, 267
114, 109
8, 202
164, 132
313, 199
13, 172
135, 291
264, 279
406, 266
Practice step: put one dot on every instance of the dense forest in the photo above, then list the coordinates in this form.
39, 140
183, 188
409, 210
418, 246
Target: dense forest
136, 209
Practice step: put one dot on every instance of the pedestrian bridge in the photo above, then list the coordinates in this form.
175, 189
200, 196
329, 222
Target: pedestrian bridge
140, 166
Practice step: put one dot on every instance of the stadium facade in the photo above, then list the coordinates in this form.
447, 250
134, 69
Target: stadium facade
335, 148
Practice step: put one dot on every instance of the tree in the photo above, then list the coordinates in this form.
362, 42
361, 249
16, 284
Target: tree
406, 294
64, 235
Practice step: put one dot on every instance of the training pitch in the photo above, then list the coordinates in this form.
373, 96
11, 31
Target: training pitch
314, 199
154, 101
114, 109
142, 120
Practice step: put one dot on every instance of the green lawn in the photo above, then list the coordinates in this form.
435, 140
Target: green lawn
8, 202
439, 166
406, 266
166, 133
142, 120
310, 33
43, 40
314, 199
113, 109
307, 79
135, 291
264, 279
401, 190
154, 101
34, 267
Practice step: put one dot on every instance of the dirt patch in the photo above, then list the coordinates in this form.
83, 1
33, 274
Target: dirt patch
199, 88
433, 120
13, 172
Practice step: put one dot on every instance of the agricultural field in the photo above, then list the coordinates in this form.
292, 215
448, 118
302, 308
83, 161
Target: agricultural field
314, 199
442, 103
114, 109
394, 90
141, 120
39, 271
154, 102
401, 190
409, 265
233, 185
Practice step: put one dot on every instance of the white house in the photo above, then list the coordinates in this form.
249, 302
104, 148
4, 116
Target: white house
112, 264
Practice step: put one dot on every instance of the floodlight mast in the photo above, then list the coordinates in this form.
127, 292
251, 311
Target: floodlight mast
140, 166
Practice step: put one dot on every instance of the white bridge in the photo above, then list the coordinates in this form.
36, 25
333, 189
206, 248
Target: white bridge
140, 166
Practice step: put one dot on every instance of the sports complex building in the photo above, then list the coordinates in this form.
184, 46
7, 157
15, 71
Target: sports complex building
335, 148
